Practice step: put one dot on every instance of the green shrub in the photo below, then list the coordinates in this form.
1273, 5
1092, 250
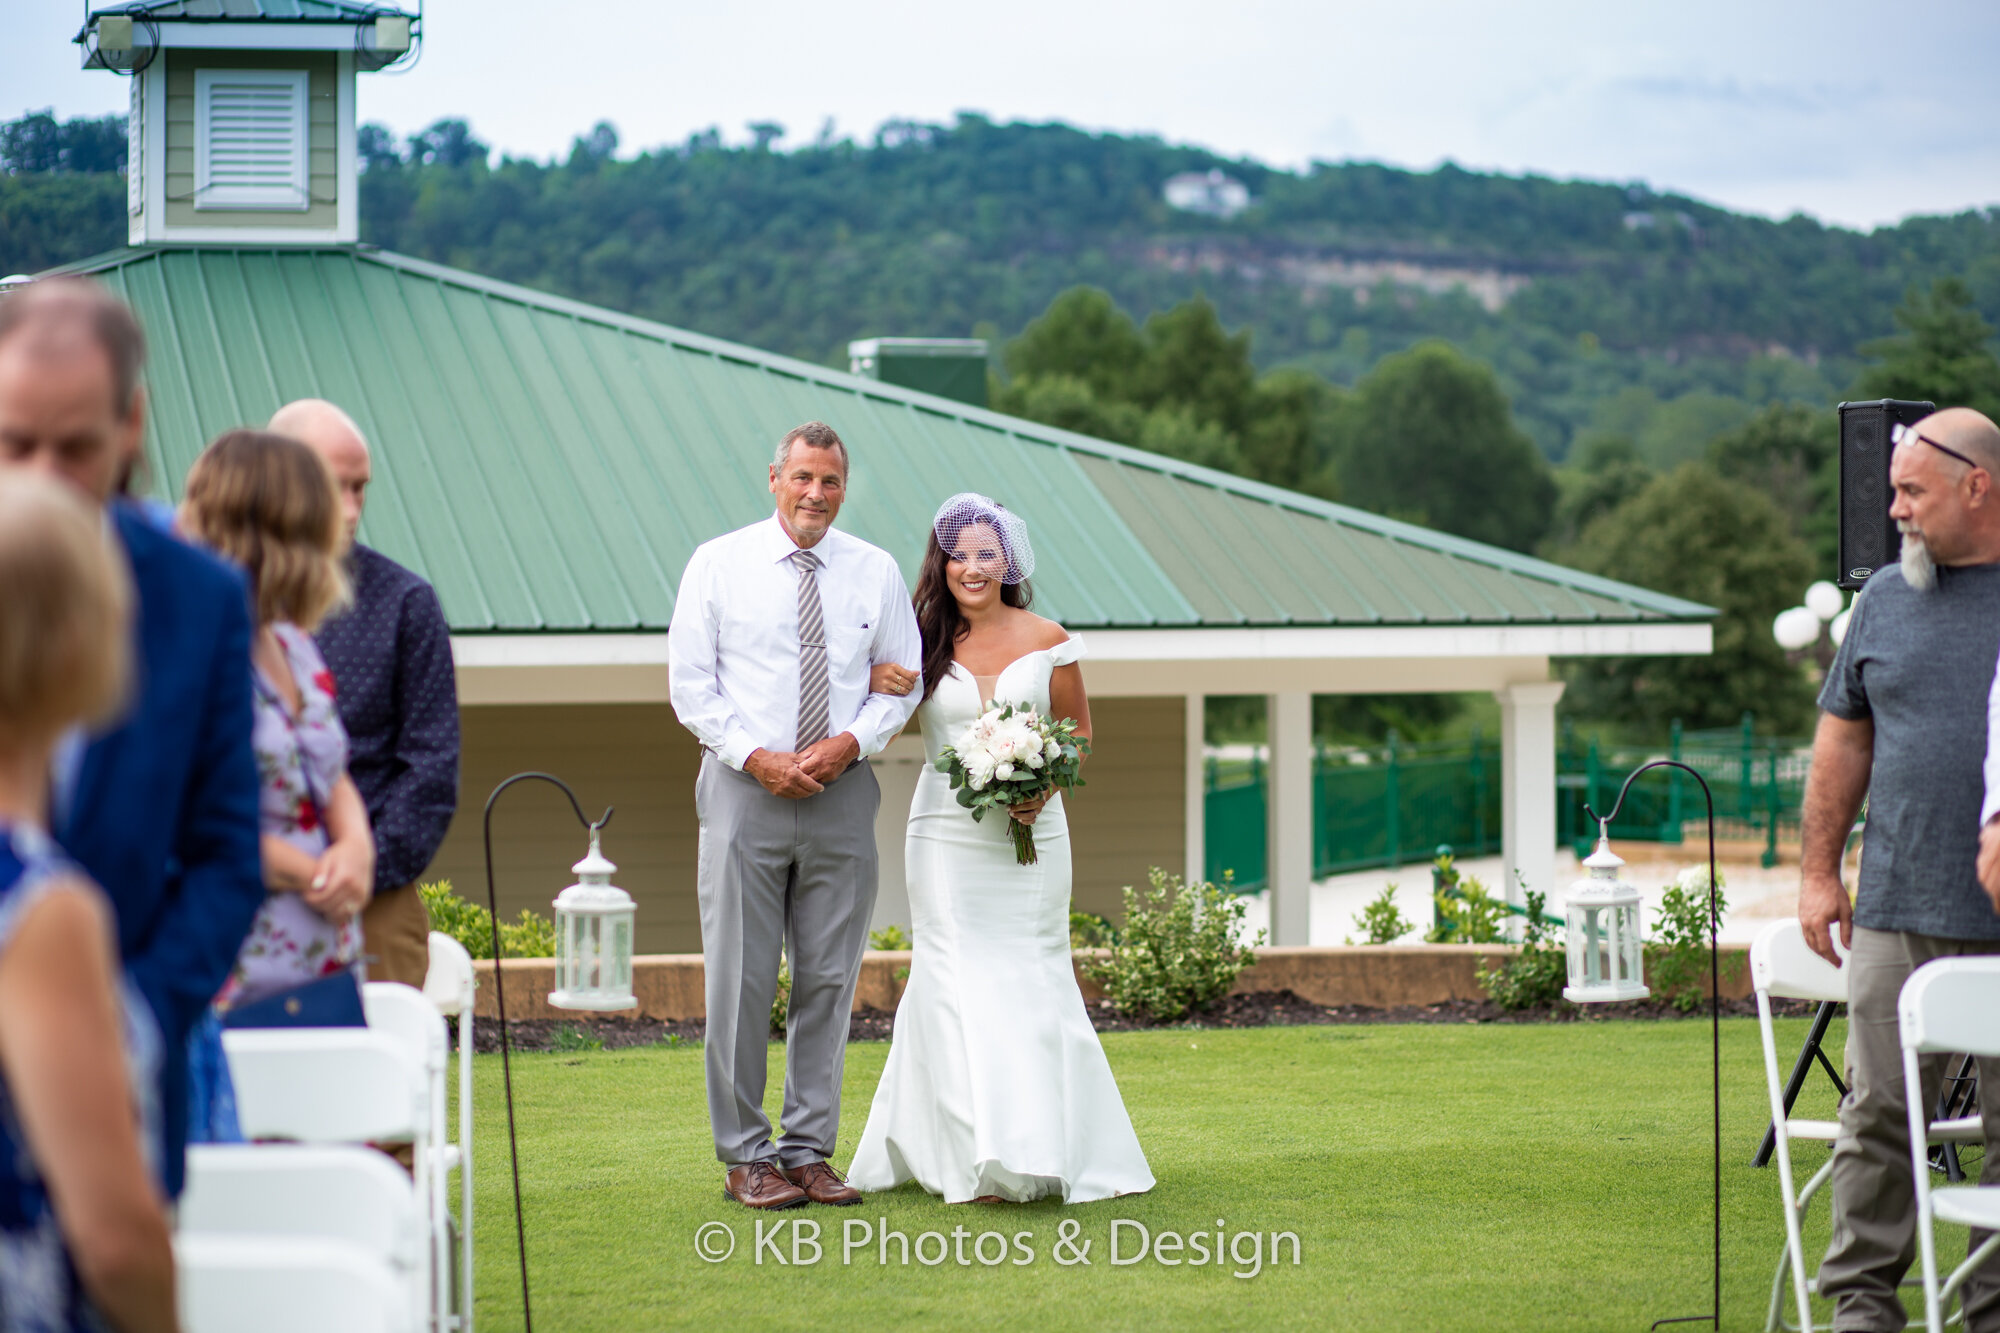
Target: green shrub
1466, 912
781, 999
1088, 930
1677, 954
529, 936
1178, 951
1535, 975
1381, 921
889, 939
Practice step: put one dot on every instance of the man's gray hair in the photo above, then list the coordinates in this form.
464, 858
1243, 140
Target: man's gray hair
814, 435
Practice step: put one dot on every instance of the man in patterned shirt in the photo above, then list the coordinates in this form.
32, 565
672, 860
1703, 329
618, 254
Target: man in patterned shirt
390, 654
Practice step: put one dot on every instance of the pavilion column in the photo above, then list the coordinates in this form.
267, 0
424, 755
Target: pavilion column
1288, 857
1528, 788
1194, 805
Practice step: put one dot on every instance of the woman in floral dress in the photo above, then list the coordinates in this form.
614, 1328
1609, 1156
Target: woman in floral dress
268, 503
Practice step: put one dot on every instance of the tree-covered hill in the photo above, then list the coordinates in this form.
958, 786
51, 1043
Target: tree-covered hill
1606, 309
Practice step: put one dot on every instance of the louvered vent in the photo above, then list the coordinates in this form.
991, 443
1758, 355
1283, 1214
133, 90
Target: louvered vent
250, 139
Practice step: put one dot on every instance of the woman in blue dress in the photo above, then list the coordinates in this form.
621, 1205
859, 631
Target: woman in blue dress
84, 1243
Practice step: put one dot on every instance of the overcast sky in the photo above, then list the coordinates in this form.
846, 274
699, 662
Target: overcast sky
1855, 111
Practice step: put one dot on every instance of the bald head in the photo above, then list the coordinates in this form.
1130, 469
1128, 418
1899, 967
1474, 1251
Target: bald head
1946, 505
332, 434
1970, 433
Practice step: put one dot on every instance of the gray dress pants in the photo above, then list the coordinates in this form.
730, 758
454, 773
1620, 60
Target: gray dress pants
798, 875
1874, 1199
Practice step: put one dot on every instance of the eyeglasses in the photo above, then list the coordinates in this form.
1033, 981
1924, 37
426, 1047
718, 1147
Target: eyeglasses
1900, 435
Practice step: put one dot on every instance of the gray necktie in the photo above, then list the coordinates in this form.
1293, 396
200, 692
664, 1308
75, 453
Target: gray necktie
812, 653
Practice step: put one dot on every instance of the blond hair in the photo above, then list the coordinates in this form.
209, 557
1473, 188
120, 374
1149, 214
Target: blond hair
268, 503
65, 612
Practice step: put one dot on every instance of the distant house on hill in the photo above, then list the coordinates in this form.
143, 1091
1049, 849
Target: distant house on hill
1210, 193
550, 466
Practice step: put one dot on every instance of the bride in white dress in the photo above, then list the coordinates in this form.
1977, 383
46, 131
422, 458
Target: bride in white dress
996, 1086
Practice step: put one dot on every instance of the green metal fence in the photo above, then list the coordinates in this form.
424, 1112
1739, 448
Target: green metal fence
1386, 805
1371, 807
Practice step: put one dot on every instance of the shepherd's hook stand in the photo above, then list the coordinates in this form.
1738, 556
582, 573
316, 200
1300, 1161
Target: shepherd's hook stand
1714, 1317
500, 995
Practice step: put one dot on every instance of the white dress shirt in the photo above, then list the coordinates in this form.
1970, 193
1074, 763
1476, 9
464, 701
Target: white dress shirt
733, 646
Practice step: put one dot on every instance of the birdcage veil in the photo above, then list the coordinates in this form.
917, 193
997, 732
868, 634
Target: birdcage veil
969, 510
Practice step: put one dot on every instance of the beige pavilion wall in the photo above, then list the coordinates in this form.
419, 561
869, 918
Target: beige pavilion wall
637, 757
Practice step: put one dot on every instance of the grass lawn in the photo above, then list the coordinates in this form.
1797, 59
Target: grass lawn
1475, 1177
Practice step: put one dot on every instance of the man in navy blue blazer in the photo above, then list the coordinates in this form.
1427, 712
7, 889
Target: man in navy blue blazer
162, 809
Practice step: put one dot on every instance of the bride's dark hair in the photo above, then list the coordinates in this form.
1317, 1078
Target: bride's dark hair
939, 620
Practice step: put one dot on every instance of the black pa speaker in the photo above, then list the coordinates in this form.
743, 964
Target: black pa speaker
1868, 540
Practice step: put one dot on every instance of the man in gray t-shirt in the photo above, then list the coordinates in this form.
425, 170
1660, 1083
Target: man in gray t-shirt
1904, 724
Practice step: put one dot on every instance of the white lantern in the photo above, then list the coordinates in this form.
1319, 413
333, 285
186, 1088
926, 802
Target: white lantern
1605, 948
1825, 600
1838, 628
593, 938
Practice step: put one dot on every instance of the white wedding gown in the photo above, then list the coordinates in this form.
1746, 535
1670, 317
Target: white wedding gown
996, 1083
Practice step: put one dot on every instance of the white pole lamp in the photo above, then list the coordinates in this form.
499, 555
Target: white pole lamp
593, 937
1606, 948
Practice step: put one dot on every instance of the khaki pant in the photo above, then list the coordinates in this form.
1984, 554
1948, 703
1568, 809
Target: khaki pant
1874, 1199
396, 936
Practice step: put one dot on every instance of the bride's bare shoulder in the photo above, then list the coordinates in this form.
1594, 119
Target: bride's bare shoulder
1043, 632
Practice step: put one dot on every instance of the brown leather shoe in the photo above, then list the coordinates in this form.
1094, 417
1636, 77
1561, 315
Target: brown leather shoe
822, 1184
762, 1185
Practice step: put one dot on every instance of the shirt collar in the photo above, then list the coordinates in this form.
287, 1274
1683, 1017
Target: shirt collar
779, 544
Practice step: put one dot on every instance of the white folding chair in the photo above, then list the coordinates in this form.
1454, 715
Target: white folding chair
1950, 1004
448, 985
339, 1192
402, 1013
1782, 966
382, 1084
252, 1284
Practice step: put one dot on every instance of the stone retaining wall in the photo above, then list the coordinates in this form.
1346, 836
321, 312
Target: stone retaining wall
669, 986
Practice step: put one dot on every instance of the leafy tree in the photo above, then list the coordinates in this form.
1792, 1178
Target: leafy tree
1695, 534
1943, 355
1790, 453
1287, 439
1068, 402
597, 147
1192, 363
1428, 434
1085, 336
1605, 472
378, 149
38, 142
1183, 386
447, 143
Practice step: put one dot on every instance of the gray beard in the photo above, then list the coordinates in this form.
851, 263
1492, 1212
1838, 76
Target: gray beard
1919, 570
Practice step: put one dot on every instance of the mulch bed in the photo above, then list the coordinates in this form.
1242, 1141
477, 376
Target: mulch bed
1253, 1010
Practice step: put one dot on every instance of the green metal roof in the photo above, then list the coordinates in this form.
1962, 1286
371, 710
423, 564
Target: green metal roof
550, 465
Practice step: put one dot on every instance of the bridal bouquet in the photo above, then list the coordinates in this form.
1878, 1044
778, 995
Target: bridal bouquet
1012, 754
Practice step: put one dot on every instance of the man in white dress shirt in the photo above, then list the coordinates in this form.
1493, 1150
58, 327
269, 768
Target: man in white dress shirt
775, 629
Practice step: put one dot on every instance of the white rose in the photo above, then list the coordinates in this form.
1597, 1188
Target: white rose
1035, 760
1050, 750
979, 771
1004, 771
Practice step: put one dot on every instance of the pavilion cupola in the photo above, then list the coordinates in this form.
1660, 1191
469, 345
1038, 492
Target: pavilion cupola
242, 124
